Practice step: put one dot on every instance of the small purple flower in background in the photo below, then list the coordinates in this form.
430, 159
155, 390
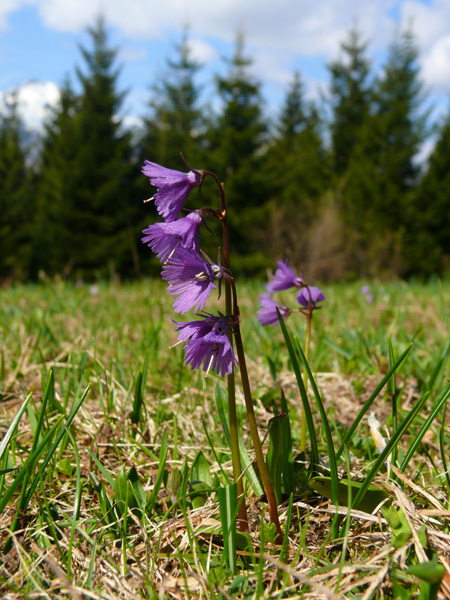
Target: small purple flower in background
366, 291
165, 238
284, 278
310, 293
207, 342
267, 314
192, 278
173, 186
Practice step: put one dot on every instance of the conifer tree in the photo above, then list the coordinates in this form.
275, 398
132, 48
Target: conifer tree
237, 142
103, 237
299, 171
296, 158
293, 117
382, 172
16, 210
176, 123
56, 189
428, 234
350, 98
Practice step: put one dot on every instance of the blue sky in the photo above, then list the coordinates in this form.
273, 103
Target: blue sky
39, 39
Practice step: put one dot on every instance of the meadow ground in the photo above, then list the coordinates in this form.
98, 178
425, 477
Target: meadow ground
96, 477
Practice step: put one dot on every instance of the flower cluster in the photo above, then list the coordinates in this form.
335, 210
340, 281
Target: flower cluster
284, 279
176, 242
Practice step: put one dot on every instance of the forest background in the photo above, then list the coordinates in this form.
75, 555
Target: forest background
335, 185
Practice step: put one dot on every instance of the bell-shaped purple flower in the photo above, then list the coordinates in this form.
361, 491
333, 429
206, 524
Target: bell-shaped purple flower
284, 278
191, 278
267, 314
207, 342
166, 238
310, 293
173, 186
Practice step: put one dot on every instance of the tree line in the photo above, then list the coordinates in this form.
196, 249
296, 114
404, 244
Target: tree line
333, 185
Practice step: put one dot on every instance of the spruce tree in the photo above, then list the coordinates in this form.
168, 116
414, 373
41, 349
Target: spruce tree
102, 238
428, 234
16, 201
176, 123
350, 98
296, 158
383, 173
56, 189
237, 143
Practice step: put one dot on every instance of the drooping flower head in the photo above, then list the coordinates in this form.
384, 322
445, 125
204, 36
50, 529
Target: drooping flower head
267, 314
191, 278
310, 294
207, 342
173, 186
166, 238
284, 278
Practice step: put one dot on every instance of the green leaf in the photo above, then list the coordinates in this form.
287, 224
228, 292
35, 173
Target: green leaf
302, 390
228, 512
221, 397
201, 469
372, 498
401, 531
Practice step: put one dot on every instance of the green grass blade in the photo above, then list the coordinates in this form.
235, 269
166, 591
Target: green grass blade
228, 512
303, 394
138, 400
164, 448
442, 449
221, 398
389, 446
13, 426
26, 467
55, 444
424, 429
370, 400
288, 460
439, 367
326, 427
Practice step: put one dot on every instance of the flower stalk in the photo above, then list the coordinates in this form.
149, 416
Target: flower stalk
232, 307
264, 473
231, 383
303, 424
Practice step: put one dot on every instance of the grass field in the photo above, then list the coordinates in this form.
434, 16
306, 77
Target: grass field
96, 478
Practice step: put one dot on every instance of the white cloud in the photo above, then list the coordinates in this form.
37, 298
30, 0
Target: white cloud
436, 65
276, 32
296, 25
128, 54
35, 100
201, 51
7, 7
431, 25
429, 21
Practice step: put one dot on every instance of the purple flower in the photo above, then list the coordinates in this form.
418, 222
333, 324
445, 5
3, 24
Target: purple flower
165, 238
267, 314
174, 188
284, 278
207, 342
310, 293
192, 278
367, 295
